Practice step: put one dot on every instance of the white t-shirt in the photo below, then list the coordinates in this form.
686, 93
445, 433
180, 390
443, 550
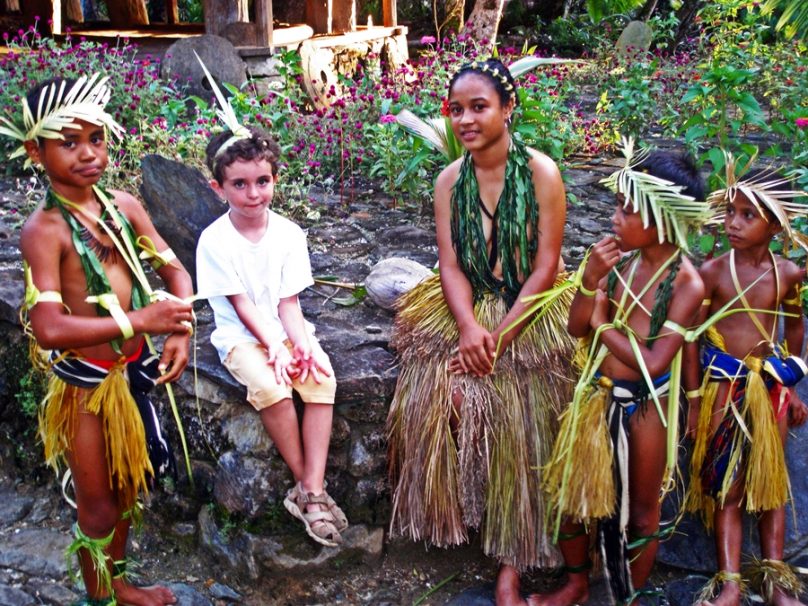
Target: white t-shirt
267, 271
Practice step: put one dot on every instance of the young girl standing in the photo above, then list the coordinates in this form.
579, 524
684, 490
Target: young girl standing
479, 390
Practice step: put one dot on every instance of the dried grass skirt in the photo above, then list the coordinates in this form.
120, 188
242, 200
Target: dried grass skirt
486, 474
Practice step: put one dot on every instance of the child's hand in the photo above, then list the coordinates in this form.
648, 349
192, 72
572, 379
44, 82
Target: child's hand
476, 350
316, 365
602, 258
797, 411
174, 358
280, 359
162, 317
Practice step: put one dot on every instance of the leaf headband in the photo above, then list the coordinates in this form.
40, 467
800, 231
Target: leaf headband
59, 109
674, 213
763, 191
485, 68
226, 114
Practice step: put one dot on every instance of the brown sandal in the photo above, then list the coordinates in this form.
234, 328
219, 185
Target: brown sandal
320, 525
340, 519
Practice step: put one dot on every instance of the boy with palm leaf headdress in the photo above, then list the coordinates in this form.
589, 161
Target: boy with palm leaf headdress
89, 302
609, 462
741, 420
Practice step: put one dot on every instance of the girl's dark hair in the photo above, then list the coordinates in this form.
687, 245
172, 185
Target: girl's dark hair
678, 168
496, 72
259, 146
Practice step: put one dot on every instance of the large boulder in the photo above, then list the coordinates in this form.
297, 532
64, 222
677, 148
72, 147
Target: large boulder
217, 53
180, 202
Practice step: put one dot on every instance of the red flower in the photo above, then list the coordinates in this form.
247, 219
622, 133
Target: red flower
444, 108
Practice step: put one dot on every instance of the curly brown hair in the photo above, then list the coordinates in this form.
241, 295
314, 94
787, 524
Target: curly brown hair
259, 146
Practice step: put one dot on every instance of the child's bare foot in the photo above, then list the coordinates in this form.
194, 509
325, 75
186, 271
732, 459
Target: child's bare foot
574, 591
780, 598
154, 595
730, 596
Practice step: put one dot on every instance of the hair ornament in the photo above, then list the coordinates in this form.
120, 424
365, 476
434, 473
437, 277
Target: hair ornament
764, 190
674, 213
58, 109
225, 112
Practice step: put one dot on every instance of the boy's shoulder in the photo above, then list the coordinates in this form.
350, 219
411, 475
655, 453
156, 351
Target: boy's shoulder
280, 222
43, 225
689, 282
791, 272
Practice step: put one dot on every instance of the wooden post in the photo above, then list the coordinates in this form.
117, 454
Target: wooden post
343, 16
172, 12
319, 15
263, 22
220, 13
389, 13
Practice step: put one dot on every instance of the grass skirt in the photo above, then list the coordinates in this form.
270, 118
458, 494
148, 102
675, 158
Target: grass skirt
487, 473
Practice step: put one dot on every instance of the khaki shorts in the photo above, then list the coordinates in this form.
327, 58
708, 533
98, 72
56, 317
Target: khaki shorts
247, 362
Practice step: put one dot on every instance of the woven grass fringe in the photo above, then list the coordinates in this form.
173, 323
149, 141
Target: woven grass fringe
767, 575
579, 479
125, 439
713, 586
766, 482
486, 473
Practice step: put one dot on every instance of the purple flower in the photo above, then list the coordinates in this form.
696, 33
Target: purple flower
387, 119
428, 40
801, 122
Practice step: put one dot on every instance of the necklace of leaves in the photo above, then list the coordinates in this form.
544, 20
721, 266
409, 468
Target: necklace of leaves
515, 227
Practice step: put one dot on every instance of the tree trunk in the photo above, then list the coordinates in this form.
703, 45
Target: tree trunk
73, 12
452, 17
484, 21
686, 15
127, 13
647, 10
10, 6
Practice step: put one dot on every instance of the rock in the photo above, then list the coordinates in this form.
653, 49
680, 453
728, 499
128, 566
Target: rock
682, 592
223, 592
13, 508
368, 455
217, 53
180, 202
391, 278
358, 541
246, 485
474, 596
188, 596
243, 428
11, 596
34, 551
51, 592
636, 37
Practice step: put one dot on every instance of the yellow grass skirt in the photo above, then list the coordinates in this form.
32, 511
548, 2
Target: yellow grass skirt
127, 456
486, 474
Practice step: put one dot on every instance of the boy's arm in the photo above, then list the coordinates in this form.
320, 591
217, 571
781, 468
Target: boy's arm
55, 327
549, 192
476, 346
178, 282
793, 325
688, 296
602, 258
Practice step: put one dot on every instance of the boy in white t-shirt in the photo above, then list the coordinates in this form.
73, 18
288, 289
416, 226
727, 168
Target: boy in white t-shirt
251, 263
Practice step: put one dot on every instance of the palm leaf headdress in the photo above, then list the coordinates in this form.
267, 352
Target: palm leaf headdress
60, 108
764, 190
225, 112
660, 202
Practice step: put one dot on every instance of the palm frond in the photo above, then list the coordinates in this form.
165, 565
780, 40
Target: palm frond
659, 201
529, 63
432, 131
225, 111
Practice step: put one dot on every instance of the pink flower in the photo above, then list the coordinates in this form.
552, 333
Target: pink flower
801, 122
387, 119
428, 40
